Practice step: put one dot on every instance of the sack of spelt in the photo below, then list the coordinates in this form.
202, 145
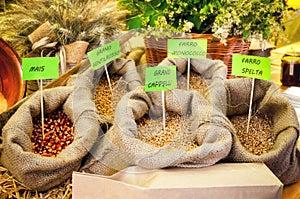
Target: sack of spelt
274, 128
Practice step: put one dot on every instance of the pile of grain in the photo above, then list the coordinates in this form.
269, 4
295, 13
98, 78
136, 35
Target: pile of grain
58, 133
177, 131
197, 82
105, 100
260, 137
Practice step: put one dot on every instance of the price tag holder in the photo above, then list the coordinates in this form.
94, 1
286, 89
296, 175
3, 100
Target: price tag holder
251, 66
160, 78
187, 48
39, 68
254, 67
104, 54
36, 68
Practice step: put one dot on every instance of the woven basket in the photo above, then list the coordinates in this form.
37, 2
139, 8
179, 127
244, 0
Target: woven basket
156, 49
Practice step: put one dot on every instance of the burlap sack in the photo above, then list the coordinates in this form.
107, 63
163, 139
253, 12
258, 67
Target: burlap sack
212, 71
89, 79
283, 158
44, 30
120, 147
86, 83
39, 172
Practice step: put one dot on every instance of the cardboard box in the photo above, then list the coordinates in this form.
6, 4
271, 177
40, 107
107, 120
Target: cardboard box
239, 180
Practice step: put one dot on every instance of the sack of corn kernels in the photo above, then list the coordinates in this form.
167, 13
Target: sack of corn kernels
195, 133
42, 158
273, 129
205, 76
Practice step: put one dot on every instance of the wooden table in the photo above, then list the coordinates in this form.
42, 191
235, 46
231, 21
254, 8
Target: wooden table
291, 191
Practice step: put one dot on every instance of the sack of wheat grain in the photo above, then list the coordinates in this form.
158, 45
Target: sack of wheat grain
100, 91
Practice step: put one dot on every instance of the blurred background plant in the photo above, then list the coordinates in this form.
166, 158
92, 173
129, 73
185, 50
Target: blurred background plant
223, 18
177, 16
259, 19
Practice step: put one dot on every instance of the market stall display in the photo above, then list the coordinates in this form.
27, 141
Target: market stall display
102, 121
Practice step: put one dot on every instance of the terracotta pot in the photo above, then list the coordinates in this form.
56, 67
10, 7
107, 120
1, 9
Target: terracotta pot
12, 85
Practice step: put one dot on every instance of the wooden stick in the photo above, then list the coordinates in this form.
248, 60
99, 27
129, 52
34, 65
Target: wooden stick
42, 108
163, 109
188, 74
250, 106
108, 79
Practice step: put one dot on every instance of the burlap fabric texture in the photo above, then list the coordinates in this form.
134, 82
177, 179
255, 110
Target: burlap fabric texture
36, 171
84, 92
283, 159
213, 73
120, 147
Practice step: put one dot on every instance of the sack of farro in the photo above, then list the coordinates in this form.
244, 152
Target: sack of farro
101, 98
273, 128
43, 161
206, 76
196, 134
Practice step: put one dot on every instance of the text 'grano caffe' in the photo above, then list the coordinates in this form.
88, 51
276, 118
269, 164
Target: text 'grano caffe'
159, 83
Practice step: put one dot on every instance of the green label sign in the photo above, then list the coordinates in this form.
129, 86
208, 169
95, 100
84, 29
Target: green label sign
187, 48
104, 54
40, 68
251, 66
160, 78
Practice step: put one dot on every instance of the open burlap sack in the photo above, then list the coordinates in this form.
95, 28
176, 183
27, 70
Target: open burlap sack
213, 73
36, 171
284, 158
87, 82
120, 147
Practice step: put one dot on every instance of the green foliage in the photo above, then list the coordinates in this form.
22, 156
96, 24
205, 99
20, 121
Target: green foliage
250, 18
188, 15
223, 18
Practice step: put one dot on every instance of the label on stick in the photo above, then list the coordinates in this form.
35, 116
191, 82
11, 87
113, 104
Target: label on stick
35, 68
160, 78
251, 66
104, 54
187, 48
